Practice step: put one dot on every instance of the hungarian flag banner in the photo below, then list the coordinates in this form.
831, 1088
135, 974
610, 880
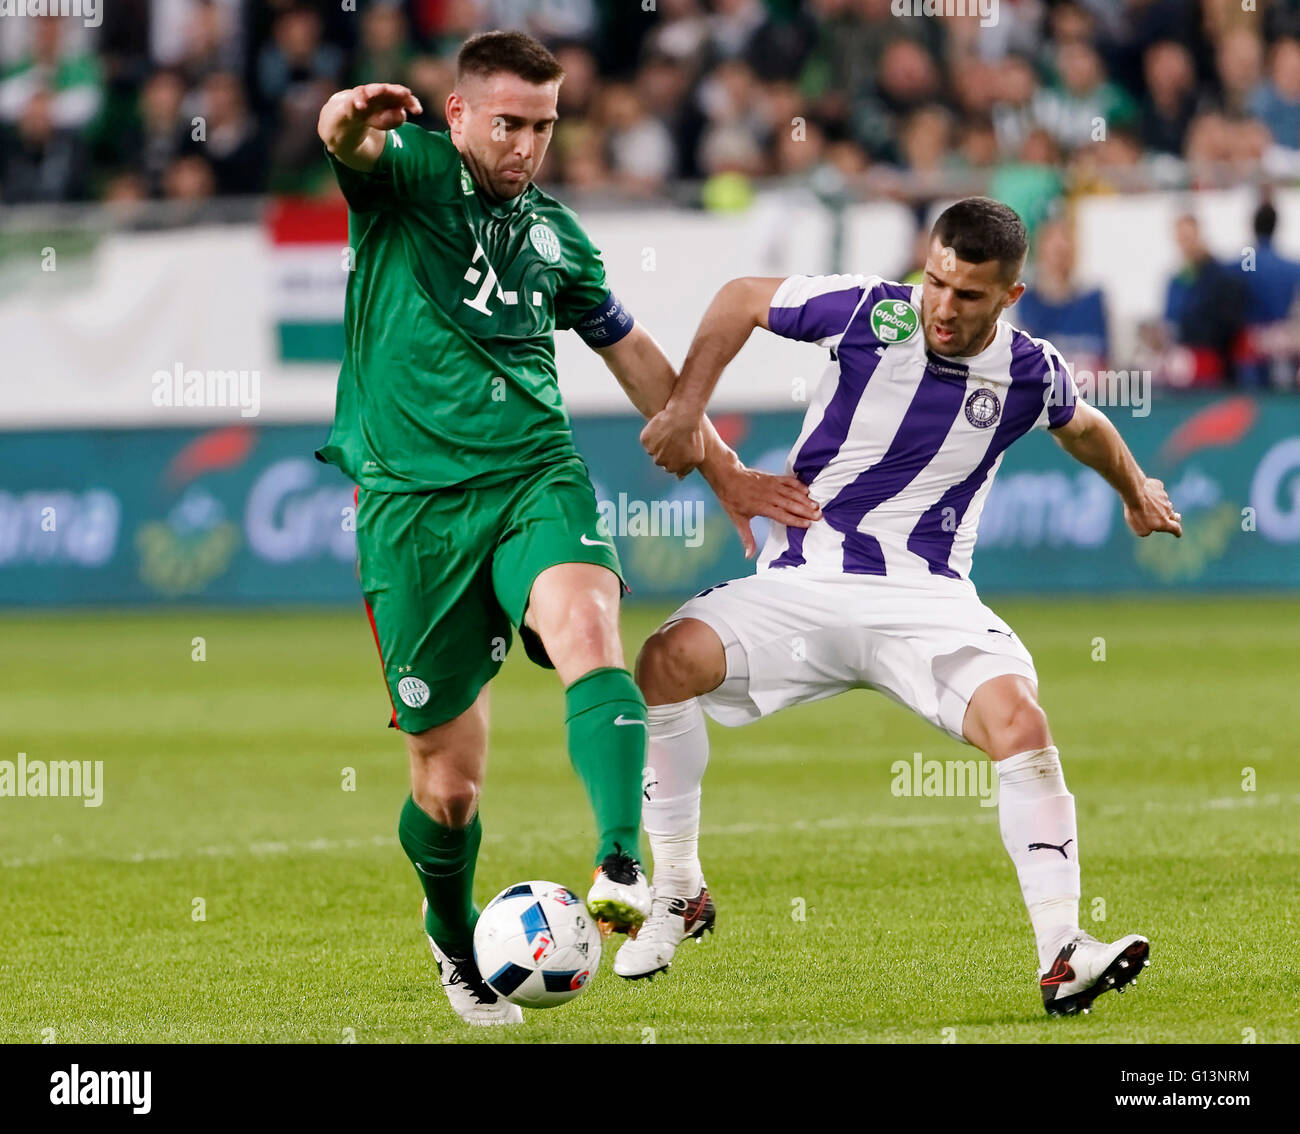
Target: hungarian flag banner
310, 261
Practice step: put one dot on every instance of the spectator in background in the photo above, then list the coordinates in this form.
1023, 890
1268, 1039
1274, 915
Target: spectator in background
232, 142
926, 141
1276, 102
548, 20
41, 162
1033, 184
681, 34
664, 85
577, 97
1239, 60
189, 178
1204, 307
775, 47
1170, 101
737, 130
1015, 89
385, 50
1054, 306
641, 152
1084, 104
582, 159
163, 130
1268, 354
71, 77
798, 155
456, 21
297, 72
974, 84
209, 42
977, 144
908, 77
733, 25
296, 63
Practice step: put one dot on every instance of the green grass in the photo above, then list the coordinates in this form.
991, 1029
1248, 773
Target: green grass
223, 781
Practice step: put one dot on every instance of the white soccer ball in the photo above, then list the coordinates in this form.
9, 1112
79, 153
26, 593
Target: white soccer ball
536, 944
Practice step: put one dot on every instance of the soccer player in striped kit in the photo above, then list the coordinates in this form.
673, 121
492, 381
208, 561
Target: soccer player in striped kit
927, 386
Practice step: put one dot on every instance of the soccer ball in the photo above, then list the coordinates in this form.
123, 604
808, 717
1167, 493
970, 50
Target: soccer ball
536, 944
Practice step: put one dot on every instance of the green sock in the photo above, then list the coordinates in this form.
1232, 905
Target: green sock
444, 858
608, 752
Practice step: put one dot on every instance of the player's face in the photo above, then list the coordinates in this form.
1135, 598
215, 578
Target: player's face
961, 302
502, 126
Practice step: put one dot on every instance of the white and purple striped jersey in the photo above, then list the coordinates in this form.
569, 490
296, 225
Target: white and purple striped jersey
900, 445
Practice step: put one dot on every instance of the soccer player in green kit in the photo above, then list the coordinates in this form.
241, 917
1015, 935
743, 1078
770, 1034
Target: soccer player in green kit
475, 513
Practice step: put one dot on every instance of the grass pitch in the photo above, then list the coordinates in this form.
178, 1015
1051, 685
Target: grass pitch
224, 797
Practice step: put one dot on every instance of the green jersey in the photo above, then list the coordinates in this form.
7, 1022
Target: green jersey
448, 375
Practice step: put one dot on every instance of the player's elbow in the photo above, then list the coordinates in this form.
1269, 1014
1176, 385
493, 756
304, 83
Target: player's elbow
738, 298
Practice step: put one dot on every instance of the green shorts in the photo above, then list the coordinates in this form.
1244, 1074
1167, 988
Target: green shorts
447, 576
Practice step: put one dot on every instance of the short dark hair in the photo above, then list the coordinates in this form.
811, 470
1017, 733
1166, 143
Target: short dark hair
510, 51
1265, 221
979, 229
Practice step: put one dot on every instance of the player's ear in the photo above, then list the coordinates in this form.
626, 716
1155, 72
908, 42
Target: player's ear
454, 110
1013, 294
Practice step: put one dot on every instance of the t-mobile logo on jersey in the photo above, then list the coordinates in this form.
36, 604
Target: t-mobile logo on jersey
676, 519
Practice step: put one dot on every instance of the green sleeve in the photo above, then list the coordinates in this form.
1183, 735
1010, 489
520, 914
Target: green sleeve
412, 158
584, 287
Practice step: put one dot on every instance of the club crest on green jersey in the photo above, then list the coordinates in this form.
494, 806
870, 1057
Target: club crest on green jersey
894, 321
546, 242
466, 185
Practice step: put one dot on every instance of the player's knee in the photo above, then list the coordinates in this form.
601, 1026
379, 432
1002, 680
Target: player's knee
675, 664
1024, 727
585, 630
450, 803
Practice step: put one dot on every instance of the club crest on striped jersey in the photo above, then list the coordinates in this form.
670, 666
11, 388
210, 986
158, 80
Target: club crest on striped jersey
983, 408
894, 321
546, 242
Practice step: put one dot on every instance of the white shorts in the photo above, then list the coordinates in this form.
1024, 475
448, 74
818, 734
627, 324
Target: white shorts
791, 640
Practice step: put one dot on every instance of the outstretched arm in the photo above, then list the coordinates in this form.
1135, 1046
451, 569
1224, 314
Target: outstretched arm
1091, 439
647, 377
736, 310
352, 122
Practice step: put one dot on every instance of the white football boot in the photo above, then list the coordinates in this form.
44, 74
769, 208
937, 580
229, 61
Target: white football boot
1086, 967
620, 897
471, 998
672, 920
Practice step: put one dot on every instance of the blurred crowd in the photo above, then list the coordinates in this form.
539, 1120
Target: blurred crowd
1036, 104
195, 98
1224, 322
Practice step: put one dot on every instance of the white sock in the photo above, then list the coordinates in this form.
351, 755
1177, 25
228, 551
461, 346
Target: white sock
1035, 809
670, 813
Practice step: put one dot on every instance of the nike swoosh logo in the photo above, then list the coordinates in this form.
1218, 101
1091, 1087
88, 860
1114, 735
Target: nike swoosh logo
620, 719
594, 542
1061, 973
